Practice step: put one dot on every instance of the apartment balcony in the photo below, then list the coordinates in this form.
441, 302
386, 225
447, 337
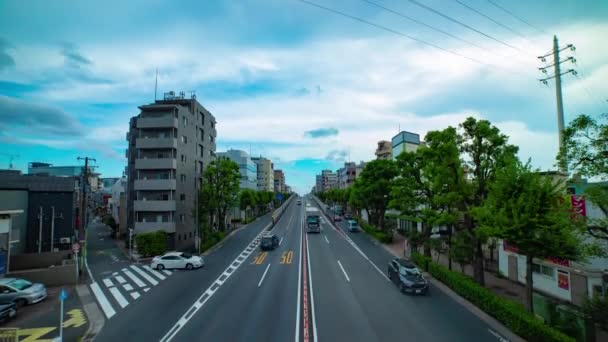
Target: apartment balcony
156, 143
155, 184
145, 227
154, 205
161, 122
155, 164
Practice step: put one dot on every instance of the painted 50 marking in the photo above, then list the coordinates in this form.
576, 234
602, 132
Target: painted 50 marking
287, 257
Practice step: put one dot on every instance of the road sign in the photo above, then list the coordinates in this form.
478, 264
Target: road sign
75, 247
280, 196
63, 295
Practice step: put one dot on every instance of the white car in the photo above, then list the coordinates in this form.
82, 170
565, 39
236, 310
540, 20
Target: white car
177, 260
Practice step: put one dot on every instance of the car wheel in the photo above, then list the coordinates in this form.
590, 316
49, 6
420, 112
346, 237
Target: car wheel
160, 267
189, 266
401, 287
19, 303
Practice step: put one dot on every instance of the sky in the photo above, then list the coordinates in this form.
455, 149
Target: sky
301, 85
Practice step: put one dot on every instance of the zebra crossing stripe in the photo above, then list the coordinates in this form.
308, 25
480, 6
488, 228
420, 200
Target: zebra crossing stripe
144, 275
108, 282
127, 287
167, 272
122, 301
106, 307
132, 276
121, 279
156, 273
135, 295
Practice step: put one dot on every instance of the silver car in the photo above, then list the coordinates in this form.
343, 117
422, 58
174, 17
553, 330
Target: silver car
21, 291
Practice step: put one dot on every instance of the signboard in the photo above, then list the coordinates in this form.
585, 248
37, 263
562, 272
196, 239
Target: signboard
563, 281
507, 247
280, 196
75, 247
63, 295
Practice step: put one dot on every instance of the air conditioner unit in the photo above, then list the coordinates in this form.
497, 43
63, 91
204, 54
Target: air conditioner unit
65, 240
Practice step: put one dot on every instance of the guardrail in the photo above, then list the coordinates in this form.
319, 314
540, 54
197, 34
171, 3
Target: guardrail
276, 215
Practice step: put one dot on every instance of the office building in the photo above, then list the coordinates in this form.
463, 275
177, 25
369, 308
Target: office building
171, 142
348, 174
49, 213
405, 141
329, 180
247, 168
279, 181
265, 173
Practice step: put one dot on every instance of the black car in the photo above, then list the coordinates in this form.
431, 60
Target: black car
269, 242
407, 277
7, 310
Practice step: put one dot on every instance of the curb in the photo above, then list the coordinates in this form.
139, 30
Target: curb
499, 328
94, 314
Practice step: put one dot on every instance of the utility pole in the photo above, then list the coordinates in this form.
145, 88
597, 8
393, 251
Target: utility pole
83, 202
558, 89
40, 217
52, 227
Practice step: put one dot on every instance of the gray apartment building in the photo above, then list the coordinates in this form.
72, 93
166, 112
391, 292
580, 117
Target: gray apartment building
171, 142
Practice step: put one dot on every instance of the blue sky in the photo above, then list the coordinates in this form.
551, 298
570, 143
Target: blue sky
286, 80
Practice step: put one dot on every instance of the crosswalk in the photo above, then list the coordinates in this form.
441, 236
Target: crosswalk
121, 288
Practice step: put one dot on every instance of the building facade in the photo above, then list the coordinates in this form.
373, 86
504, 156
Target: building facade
329, 180
279, 181
171, 142
265, 173
348, 174
318, 183
384, 150
404, 141
247, 168
49, 214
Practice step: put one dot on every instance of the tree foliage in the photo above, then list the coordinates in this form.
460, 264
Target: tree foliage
529, 210
219, 192
152, 243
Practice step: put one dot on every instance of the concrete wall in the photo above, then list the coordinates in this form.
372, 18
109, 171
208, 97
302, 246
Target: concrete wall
35, 260
16, 199
51, 276
64, 219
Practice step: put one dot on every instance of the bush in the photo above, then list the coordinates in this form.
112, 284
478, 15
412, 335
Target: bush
379, 235
153, 243
513, 315
212, 240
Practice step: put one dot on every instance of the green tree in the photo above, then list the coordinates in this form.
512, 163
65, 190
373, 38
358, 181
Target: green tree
373, 188
462, 249
219, 192
528, 209
486, 150
247, 200
596, 309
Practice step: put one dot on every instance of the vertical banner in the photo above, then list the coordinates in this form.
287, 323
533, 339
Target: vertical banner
563, 281
578, 205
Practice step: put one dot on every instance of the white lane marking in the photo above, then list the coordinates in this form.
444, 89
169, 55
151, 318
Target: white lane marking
325, 236
135, 295
144, 275
263, 275
146, 289
156, 273
106, 307
167, 272
497, 335
108, 282
343, 271
127, 287
132, 276
297, 337
121, 279
122, 301
280, 241
312, 296
208, 293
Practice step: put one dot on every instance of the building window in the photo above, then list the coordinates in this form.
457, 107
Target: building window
182, 197
179, 237
182, 218
201, 116
182, 178
184, 139
212, 124
184, 158
191, 235
201, 150
544, 270
201, 134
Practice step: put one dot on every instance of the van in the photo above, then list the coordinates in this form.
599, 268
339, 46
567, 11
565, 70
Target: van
353, 226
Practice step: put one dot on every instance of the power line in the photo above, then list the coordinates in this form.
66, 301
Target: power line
516, 17
424, 24
406, 36
464, 25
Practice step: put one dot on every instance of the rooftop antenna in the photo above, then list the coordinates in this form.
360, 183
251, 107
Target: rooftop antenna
399, 128
155, 84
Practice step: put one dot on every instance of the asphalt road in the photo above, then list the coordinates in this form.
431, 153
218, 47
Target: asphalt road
315, 287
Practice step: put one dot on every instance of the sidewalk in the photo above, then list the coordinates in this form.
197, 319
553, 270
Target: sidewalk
500, 286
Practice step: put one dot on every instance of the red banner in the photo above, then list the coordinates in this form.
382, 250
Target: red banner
513, 249
578, 205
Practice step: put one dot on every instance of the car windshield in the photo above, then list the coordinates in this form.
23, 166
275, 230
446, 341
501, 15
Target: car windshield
186, 255
410, 273
266, 240
20, 284
313, 219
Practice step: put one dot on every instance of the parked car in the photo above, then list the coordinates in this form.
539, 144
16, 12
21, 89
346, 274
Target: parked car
353, 226
21, 292
269, 242
337, 218
177, 260
348, 216
7, 311
407, 277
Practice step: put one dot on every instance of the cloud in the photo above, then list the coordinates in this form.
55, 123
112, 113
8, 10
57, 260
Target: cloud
321, 132
6, 60
337, 155
36, 119
73, 57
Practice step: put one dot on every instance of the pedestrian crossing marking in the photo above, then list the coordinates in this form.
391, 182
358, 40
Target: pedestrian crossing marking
122, 301
108, 282
146, 289
127, 287
157, 274
132, 276
135, 295
144, 275
120, 279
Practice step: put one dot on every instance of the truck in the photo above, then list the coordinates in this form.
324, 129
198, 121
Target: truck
313, 220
